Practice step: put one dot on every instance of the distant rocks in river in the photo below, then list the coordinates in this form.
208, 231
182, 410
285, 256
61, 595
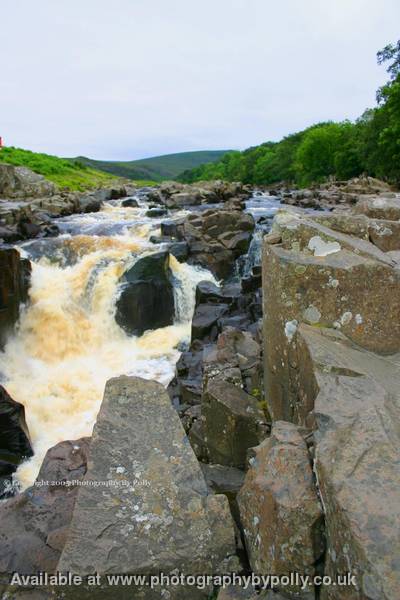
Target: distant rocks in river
178, 195
146, 300
28, 201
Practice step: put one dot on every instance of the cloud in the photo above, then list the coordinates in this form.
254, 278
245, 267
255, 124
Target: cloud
128, 79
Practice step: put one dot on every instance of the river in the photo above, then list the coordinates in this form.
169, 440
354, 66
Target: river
68, 344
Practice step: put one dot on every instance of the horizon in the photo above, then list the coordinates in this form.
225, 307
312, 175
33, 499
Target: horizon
167, 78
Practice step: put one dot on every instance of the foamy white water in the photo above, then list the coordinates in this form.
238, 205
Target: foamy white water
68, 343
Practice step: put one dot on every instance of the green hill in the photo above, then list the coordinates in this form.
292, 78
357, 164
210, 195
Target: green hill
64, 173
156, 168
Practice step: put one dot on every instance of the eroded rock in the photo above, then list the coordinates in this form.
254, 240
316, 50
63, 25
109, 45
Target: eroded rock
279, 508
161, 517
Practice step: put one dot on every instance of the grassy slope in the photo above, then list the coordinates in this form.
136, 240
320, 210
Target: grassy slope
155, 168
62, 172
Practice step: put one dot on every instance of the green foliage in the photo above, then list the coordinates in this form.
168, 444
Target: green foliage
64, 173
370, 145
157, 168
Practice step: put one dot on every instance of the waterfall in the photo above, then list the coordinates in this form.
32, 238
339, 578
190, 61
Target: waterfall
68, 343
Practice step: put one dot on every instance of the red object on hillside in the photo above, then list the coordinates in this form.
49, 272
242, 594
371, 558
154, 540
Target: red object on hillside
1, 142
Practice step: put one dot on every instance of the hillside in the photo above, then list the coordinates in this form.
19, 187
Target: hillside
64, 173
156, 168
342, 150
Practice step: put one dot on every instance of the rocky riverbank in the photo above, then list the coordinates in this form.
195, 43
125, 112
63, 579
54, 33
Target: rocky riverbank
276, 448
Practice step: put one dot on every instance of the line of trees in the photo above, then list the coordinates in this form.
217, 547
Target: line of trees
371, 145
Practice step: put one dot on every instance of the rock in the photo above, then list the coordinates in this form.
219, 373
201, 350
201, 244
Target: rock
20, 182
156, 212
147, 299
9, 234
15, 444
35, 523
320, 276
89, 204
379, 208
173, 229
385, 234
209, 293
204, 323
167, 524
217, 237
222, 479
130, 203
236, 592
14, 285
225, 480
233, 423
279, 508
354, 396
180, 250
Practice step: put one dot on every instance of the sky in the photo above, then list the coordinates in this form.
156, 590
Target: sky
128, 79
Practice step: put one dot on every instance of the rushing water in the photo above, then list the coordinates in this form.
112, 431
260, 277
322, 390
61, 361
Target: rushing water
68, 343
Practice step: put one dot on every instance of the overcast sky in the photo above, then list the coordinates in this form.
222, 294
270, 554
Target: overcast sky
126, 79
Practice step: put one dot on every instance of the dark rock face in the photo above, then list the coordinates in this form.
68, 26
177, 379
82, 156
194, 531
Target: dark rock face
15, 444
130, 203
147, 298
35, 523
14, 284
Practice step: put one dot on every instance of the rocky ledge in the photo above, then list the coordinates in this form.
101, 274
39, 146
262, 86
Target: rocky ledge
28, 202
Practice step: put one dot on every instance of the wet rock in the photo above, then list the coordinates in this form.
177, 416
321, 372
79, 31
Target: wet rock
130, 203
209, 293
354, 396
173, 229
233, 423
279, 508
156, 212
147, 299
205, 318
14, 285
89, 204
169, 523
325, 278
35, 523
15, 443
180, 250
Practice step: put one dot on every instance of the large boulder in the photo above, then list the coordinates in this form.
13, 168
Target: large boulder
147, 297
34, 524
14, 285
355, 398
21, 182
279, 509
325, 278
157, 514
15, 443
